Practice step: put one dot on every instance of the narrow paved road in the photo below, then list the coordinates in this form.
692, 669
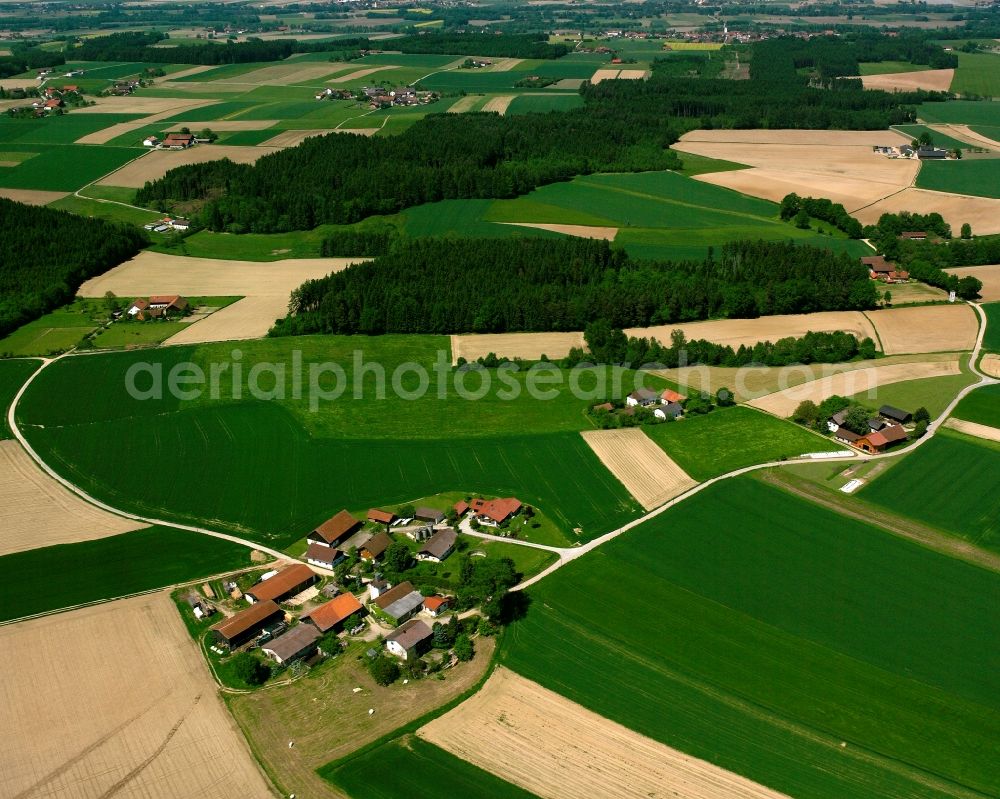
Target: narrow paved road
565, 554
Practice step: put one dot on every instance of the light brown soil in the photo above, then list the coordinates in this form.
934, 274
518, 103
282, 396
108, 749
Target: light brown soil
751, 382
989, 275
36, 511
282, 75
990, 364
982, 213
358, 74
604, 74
116, 700
290, 138
499, 104
141, 105
534, 738
113, 131
633, 74
32, 196
327, 720
250, 317
838, 165
783, 403
504, 65
514, 345
583, 231
19, 83
646, 471
184, 73
156, 164
223, 125
932, 80
930, 328
974, 429
464, 104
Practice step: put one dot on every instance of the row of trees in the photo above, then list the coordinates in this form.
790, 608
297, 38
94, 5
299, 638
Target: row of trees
800, 209
534, 284
610, 345
45, 255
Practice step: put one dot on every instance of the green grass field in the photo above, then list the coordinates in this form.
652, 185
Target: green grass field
781, 641
110, 567
966, 112
534, 103
991, 340
966, 499
66, 168
137, 334
981, 405
56, 331
13, 373
889, 67
980, 177
413, 767
288, 468
731, 438
932, 393
977, 73
64, 129
110, 211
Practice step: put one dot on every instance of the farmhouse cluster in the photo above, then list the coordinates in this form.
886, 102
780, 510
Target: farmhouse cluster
922, 152
665, 405
884, 430
885, 271
156, 307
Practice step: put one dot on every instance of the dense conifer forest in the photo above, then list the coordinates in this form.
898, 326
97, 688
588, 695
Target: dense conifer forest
498, 286
45, 255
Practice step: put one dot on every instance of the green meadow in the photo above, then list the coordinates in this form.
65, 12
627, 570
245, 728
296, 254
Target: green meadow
54, 332
66, 167
539, 104
981, 405
966, 505
889, 67
13, 373
414, 767
979, 177
89, 571
977, 73
731, 438
287, 468
781, 641
991, 339
964, 112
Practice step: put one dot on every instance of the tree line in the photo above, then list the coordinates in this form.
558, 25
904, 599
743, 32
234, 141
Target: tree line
45, 255
800, 209
138, 46
527, 284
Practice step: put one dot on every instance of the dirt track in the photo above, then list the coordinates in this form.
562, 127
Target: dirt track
514, 345
642, 467
35, 511
989, 275
783, 403
932, 80
974, 429
116, 701
928, 328
837, 165
156, 164
534, 738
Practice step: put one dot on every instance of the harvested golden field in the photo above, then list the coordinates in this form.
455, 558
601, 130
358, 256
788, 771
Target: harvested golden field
116, 700
750, 382
286, 74
537, 739
156, 164
989, 275
583, 231
929, 328
186, 73
633, 74
327, 720
141, 105
225, 125
783, 403
499, 104
504, 65
514, 345
838, 165
646, 471
36, 511
982, 431
604, 74
250, 317
18, 83
982, 213
290, 138
931, 80
120, 129
990, 364
32, 196
463, 104
358, 74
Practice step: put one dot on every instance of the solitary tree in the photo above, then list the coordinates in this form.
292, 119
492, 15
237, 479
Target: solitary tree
463, 648
807, 412
110, 302
966, 231
921, 415
887, 298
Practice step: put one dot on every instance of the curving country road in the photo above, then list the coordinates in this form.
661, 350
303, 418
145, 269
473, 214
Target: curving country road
565, 554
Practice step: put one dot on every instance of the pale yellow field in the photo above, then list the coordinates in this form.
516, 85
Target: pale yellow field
32, 196
116, 700
290, 138
358, 74
982, 431
156, 164
930, 328
120, 129
499, 104
224, 125
990, 364
783, 403
36, 511
141, 105
932, 80
250, 317
604, 74
184, 73
18, 83
633, 74
989, 275
463, 104
646, 471
838, 165
514, 345
537, 739
982, 213
282, 74
504, 65
583, 231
